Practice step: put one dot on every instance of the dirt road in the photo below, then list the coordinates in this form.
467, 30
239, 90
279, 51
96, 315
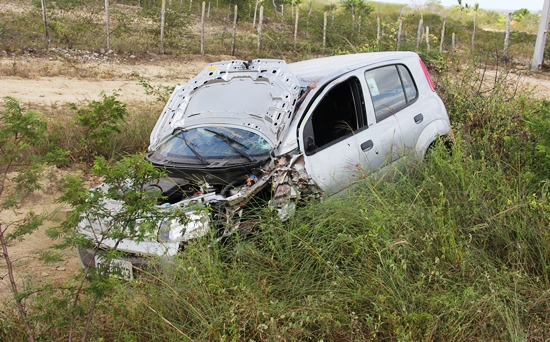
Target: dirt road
46, 82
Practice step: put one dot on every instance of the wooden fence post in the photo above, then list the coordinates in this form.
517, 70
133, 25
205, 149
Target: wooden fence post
442, 34
162, 15
359, 26
419, 32
428, 38
296, 26
208, 12
45, 21
308, 16
378, 31
507, 36
453, 43
325, 29
255, 11
399, 30
282, 15
234, 32
331, 15
474, 32
352, 18
352, 24
107, 24
540, 44
202, 27
260, 27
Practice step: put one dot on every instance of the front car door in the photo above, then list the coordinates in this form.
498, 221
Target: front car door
339, 143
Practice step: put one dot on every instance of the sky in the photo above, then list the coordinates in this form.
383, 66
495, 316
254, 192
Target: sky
531, 5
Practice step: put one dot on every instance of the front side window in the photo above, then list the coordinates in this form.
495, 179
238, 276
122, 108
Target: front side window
391, 88
339, 114
205, 145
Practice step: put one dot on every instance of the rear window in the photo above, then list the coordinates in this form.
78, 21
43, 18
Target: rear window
391, 88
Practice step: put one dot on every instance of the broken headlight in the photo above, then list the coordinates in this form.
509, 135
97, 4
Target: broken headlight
196, 225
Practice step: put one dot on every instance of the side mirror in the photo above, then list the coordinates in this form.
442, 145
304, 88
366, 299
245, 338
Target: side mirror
310, 144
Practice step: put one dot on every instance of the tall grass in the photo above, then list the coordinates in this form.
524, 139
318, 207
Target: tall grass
67, 133
454, 248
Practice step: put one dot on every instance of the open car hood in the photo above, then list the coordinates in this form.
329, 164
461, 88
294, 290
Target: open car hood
258, 95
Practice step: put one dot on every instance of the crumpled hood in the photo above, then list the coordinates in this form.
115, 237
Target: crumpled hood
258, 95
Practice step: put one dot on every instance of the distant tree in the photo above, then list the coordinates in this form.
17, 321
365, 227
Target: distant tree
467, 7
359, 6
434, 6
520, 14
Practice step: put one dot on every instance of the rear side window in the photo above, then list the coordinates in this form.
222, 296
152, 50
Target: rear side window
391, 88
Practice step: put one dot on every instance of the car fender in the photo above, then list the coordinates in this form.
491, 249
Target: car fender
436, 128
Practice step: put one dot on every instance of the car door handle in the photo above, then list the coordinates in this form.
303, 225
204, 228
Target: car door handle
419, 118
367, 145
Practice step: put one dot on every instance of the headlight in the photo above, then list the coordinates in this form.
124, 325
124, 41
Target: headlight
195, 226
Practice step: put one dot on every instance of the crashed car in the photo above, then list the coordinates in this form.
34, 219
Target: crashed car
241, 129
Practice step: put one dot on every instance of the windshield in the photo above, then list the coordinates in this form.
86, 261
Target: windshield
204, 144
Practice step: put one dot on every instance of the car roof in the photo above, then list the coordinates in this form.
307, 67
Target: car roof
314, 70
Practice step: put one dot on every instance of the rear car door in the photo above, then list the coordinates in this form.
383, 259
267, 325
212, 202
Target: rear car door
395, 94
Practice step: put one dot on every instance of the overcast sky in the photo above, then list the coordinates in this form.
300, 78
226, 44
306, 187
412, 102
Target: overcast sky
532, 5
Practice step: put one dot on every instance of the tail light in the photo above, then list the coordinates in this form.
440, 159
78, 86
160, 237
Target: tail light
427, 74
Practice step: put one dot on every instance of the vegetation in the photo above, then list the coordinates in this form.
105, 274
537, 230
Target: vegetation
20, 132
456, 247
135, 27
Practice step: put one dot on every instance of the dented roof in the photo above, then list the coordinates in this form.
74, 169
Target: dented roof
315, 70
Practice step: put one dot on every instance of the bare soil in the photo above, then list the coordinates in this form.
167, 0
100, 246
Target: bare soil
83, 76
48, 81
25, 254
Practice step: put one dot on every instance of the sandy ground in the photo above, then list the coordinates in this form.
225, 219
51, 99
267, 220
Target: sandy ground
44, 81
49, 81
30, 270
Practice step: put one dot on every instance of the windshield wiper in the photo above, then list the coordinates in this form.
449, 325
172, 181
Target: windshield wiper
230, 141
179, 132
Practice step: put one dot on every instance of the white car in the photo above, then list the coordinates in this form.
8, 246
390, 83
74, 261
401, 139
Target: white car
284, 131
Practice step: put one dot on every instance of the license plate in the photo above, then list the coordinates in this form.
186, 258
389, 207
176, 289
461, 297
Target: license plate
118, 267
